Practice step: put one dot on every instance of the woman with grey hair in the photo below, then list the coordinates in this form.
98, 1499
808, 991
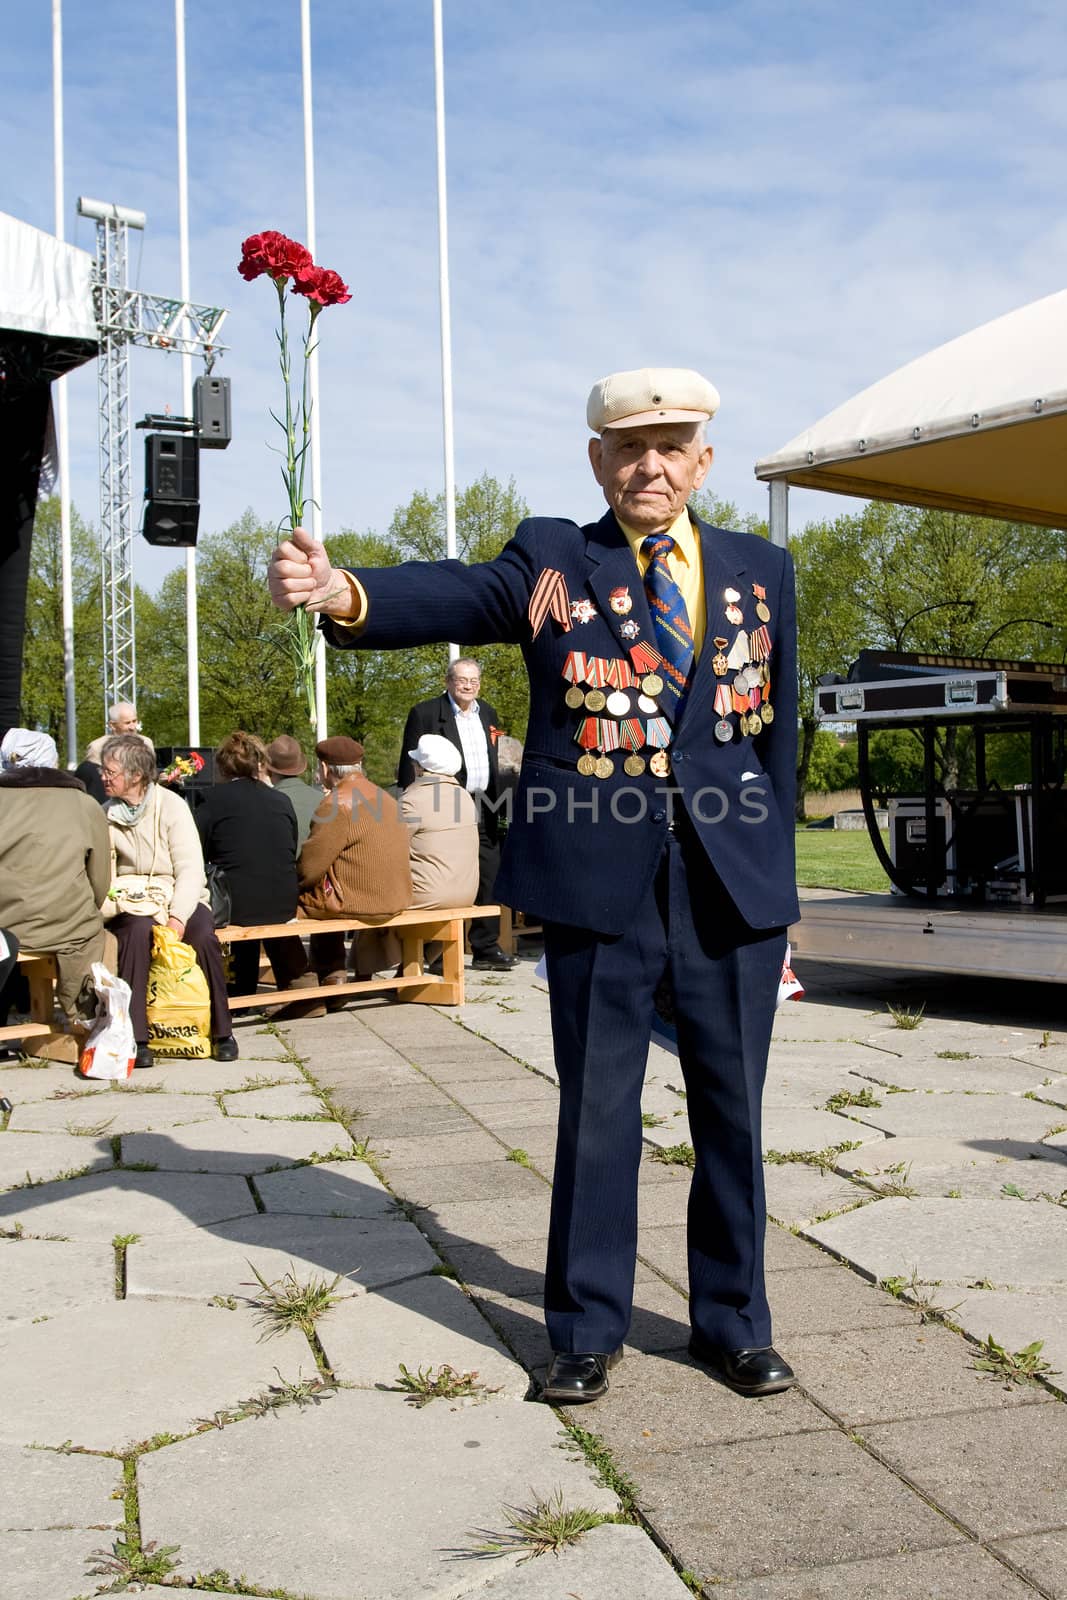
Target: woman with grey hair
153, 835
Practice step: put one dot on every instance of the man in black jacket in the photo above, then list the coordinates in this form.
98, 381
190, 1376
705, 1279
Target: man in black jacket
472, 725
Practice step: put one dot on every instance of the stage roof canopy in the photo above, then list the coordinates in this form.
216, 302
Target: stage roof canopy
977, 425
44, 284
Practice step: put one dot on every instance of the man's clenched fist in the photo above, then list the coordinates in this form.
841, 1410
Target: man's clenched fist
300, 574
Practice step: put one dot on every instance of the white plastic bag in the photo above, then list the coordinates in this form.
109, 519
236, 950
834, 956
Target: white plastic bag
110, 1049
789, 986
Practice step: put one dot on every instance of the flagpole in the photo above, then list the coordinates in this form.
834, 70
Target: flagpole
192, 643
313, 364
444, 295
70, 703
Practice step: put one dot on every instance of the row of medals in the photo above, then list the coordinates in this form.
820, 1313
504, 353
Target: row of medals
618, 704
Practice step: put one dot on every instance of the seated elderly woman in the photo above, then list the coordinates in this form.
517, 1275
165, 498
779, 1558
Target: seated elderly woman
55, 867
250, 831
153, 834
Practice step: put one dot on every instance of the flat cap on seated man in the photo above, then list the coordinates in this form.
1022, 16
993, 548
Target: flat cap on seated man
652, 835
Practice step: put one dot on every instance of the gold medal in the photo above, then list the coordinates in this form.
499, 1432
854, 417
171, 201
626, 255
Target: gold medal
755, 723
595, 700
575, 697
587, 765
633, 766
660, 764
719, 664
767, 713
651, 683
763, 611
605, 767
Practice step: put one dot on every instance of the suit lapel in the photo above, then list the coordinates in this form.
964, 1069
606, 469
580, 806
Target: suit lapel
612, 566
722, 566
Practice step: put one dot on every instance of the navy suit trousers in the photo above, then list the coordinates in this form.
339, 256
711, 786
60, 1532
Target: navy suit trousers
724, 976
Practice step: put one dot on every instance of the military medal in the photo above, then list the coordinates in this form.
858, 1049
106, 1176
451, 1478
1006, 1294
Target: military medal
733, 610
760, 644
582, 610
605, 767
739, 655
620, 602
763, 610
649, 707
618, 704
629, 629
575, 697
595, 700
724, 731
633, 766
755, 723
652, 683
587, 765
767, 713
660, 764
719, 663
631, 734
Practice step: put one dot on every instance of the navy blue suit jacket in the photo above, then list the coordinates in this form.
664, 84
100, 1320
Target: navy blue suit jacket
573, 854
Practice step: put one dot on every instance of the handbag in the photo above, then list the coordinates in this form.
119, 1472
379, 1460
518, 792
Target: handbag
137, 894
218, 887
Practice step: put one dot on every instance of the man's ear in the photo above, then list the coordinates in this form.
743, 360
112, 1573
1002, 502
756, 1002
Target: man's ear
596, 451
704, 465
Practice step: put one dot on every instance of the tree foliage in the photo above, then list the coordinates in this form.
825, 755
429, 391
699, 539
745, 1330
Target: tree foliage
42, 670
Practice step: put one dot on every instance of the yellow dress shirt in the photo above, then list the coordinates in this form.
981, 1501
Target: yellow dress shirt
683, 561
685, 569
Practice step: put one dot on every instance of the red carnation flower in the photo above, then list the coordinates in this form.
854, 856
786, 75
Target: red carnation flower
272, 253
321, 286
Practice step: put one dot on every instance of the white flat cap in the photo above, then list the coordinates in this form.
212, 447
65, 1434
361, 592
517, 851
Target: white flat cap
651, 394
434, 753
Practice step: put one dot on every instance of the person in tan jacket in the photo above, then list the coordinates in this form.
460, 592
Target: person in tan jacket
354, 863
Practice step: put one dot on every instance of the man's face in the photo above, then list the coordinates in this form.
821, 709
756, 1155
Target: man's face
463, 686
125, 720
648, 473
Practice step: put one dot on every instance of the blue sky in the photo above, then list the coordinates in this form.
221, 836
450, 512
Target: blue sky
794, 200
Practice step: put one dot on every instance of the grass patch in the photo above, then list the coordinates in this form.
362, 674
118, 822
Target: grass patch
520, 1157
129, 1561
917, 1294
287, 1303
91, 1130
675, 1155
955, 1055
1021, 1366
596, 1452
299, 1391
825, 1160
649, 1119
546, 1526
827, 859
446, 1383
904, 1017
894, 1182
850, 1097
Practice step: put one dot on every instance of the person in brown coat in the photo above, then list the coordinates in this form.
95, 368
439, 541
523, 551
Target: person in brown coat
354, 863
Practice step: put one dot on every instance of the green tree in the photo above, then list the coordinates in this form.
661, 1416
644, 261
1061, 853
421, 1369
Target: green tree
43, 703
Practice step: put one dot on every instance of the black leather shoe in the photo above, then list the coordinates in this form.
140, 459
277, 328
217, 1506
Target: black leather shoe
144, 1057
225, 1049
495, 960
575, 1379
745, 1371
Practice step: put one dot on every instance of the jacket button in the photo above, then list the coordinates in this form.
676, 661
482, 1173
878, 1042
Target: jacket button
678, 756
659, 816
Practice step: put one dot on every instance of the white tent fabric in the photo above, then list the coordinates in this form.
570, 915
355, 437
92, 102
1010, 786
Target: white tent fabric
44, 284
979, 424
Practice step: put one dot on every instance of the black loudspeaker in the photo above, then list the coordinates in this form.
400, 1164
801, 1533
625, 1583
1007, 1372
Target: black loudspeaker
211, 412
172, 489
171, 522
172, 467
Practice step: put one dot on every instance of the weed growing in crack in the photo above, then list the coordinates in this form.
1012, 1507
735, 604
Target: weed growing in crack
546, 1525
520, 1157
286, 1303
446, 1383
300, 1391
849, 1097
675, 1155
1022, 1366
129, 1561
904, 1017
916, 1293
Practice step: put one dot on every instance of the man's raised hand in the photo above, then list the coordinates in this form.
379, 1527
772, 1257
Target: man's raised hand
300, 574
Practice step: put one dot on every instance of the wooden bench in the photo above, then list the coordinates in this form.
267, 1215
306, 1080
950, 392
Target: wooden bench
513, 927
414, 983
39, 970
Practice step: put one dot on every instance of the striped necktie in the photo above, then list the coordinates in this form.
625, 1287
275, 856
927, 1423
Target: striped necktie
670, 621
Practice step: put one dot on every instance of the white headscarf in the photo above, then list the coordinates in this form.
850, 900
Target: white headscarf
25, 747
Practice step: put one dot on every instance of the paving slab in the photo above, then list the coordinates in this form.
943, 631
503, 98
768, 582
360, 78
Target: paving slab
942, 1033
482, 1222
941, 1153
414, 1122
52, 1565
981, 1074
798, 1193
242, 1144
879, 1374
959, 1573
821, 1500
511, 1119
123, 1113
960, 1116
808, 1300
41, 1083
814, 1130
481, 1180
434, 1150
328, 1189
107, 1203
980, 1466
1051, 1058
231, 1499
284, 1100
952, 1241
523, 1086
258, 1043
1042, 1557
660, 1322
514, 1268
592, 1569
426, 1323
1016, 1319
43, 1489
981, 1181
217, 1077
211, 1261
148, 1369
38, 1157
43, 1278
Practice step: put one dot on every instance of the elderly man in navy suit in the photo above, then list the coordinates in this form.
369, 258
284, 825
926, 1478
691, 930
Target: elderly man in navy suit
652, 835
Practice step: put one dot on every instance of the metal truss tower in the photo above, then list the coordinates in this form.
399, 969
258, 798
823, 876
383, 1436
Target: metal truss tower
128, 317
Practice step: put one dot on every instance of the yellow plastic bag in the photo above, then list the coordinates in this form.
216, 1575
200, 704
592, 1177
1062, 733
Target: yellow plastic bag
179, 1004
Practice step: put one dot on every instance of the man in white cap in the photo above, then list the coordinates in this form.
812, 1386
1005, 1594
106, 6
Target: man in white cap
652, 835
